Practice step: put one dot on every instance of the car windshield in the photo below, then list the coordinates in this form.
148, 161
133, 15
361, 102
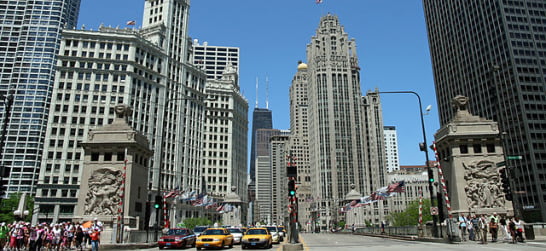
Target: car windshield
213, 232
235, 230
272, 229
199, 229
177, 232
256, 231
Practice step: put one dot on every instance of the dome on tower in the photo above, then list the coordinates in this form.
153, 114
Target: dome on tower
302, 66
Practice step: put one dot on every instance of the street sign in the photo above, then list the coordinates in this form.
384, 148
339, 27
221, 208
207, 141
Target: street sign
434, 211
502, 163
514, 157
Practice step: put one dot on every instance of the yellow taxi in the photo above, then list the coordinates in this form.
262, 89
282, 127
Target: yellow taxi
214, 237
257, 237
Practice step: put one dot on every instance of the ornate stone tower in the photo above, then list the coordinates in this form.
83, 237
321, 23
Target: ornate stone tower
115, 174
469, 149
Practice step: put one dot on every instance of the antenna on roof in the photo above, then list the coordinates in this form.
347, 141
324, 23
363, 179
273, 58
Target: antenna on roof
256, 92
266, 92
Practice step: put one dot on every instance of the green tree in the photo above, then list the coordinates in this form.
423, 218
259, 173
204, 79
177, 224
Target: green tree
11, 203
410, 216
193, 222
341, 224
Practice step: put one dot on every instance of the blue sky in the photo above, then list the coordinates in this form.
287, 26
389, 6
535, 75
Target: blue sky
390, 35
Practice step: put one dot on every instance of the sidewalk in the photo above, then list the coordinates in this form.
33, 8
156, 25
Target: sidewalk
540, 240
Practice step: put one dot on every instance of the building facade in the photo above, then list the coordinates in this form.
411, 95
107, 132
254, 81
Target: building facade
391, 149
263, 204
495, 54
96, 70
415, 185
30, 38
148, 70
214, 60
279, 181
345, 140
262, 118
299, 145
226, 130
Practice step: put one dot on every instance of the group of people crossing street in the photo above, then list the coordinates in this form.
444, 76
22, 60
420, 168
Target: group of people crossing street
19, 236
482, 228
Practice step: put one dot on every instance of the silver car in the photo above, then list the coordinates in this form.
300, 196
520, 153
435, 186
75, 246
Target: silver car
275, 233
237, 234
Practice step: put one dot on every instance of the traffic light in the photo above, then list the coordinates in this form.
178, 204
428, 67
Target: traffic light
505, 184
157, 203
430, 175
422, 147
291, 188
440, 200
147, 214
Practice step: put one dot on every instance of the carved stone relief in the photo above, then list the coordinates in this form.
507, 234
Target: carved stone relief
483, 185
104, 194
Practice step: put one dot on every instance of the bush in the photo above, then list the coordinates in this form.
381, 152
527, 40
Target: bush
193, 222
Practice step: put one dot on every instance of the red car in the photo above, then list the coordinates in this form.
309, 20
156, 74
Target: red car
177, 238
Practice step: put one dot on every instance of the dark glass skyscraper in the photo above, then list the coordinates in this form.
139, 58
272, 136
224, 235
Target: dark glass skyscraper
261, 119
30, 34
494, 52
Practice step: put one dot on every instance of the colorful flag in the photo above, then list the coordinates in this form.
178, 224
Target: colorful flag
397, 187
132, 22
171, 194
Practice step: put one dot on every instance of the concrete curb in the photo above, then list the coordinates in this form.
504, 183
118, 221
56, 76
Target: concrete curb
406, 238
127, 246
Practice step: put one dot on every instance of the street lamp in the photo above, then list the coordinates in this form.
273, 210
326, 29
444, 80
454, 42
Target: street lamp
423, 147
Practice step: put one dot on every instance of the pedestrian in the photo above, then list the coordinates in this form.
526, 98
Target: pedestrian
512, 230
477, 230
483, 226
33, 238
78, 237
493, 229
494, 217
519, 229
470, 227
503, 225
41, 236
462, 227
4, 234
95, 239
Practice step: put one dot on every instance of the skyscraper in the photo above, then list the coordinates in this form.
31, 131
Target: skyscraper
494, 52
391, 149
96, 70
343, 143
30, 38
165, 23
147, 69
214, 59
226, 131
263, 204
261, 119
299, 145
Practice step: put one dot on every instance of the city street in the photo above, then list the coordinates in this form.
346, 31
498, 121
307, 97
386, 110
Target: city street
341, 242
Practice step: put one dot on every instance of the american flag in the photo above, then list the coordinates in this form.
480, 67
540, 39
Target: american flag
131, 22
318, 1
397, 187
